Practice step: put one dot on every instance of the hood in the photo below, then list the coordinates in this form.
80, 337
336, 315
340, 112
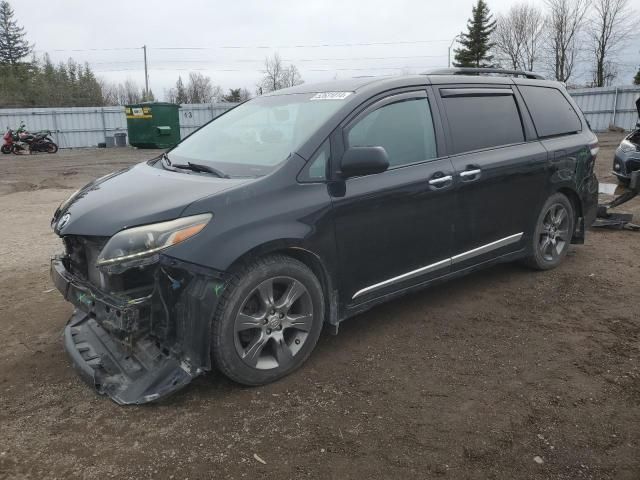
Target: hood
138, 195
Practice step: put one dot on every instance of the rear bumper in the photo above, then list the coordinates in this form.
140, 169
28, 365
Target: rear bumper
128, 351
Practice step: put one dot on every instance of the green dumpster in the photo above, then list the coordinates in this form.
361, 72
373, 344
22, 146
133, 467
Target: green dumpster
153, 124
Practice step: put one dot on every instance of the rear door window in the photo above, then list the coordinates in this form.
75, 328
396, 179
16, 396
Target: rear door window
481, 118
404, 128
551, 112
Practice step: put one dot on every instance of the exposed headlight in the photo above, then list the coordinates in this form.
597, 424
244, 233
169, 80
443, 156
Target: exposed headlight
627, 146
138, 242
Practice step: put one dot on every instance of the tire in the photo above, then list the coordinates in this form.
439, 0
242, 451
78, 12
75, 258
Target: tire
6, 148
624, 181
552, 234
52, 147
258, 337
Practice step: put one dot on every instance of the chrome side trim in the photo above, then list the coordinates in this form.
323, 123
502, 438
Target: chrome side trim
503, 242
404, 276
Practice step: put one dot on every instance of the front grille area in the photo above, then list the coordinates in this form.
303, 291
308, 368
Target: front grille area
82, 253
81, 256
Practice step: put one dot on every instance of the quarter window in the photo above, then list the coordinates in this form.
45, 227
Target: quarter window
318, 166
551, 112
404, 129
487, 121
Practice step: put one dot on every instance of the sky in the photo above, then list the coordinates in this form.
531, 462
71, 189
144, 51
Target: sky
229, 40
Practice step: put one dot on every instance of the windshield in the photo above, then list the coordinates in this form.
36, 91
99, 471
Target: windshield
254, 138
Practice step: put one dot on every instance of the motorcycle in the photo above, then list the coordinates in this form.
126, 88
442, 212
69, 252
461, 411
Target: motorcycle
39, 142
21, 141
7, 146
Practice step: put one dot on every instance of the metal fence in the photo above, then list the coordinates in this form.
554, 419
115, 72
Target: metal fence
88, 126
77, 127
608, 106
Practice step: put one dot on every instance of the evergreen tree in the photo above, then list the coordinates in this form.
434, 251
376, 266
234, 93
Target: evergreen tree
476, 43
636, 79
13, 44
89, 90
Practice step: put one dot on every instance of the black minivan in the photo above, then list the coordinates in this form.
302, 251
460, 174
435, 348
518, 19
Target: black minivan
300, 208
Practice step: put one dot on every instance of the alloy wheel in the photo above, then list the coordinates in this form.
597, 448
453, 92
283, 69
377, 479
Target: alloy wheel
555, 235
273, 323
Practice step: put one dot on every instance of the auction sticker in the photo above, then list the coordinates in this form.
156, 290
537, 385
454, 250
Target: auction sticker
331, 96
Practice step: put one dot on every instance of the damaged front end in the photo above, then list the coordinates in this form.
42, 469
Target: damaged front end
141, 329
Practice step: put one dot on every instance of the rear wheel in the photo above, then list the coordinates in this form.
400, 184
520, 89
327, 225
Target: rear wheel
553, 232
6, 148
52, 147
268, 320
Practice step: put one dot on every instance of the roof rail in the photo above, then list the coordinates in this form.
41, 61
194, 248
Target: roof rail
472, 71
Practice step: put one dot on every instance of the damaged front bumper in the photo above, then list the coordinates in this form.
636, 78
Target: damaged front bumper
137, 350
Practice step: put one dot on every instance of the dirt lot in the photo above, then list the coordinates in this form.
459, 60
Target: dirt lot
472, 379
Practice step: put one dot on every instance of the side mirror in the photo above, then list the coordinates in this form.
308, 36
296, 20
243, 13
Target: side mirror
359, 161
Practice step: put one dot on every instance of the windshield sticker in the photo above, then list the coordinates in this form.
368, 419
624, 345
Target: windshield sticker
331, 96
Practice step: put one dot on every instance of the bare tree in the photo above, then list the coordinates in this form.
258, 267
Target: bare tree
109, 92
273, 69
277, 75
291, 77
507, 39
129, 92
564, 24
245, 95
611, 24
199, 88
532, 22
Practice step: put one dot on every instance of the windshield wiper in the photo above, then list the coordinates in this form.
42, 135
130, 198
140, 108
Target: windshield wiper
194, 167
197, 167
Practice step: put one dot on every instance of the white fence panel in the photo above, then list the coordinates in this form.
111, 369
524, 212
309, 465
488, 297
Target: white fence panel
607, 106
77, 127
193, 116
71, 127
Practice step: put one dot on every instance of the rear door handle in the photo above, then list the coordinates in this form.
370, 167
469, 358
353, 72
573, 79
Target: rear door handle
440, 180
470, 173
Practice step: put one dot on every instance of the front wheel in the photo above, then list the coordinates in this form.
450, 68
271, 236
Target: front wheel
624, 182
6, 148
552, 234
268, 320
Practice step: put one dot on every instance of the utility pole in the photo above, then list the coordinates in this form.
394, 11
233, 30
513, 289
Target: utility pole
146, 75
449, 51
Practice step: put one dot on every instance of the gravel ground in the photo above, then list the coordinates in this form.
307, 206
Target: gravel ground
503, 374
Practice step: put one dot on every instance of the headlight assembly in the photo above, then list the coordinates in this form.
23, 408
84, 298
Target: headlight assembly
138, 242
627, 146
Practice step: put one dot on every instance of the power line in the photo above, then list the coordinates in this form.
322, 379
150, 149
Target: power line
320, 45
261, 60
255, 70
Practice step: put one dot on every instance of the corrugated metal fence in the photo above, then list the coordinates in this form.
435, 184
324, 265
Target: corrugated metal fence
77, 127
608, 106
88, 126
